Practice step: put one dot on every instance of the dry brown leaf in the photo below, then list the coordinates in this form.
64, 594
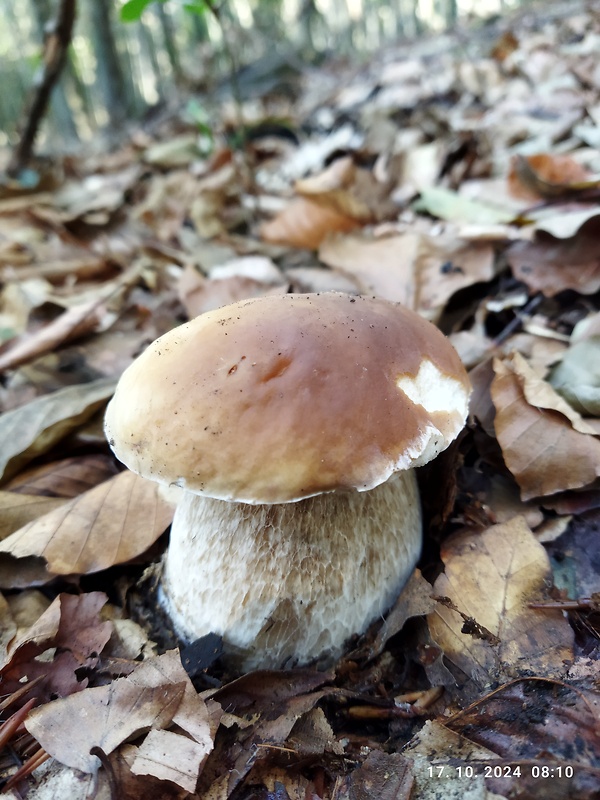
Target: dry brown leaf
113, 714
110, 524
540, 446
414, 601
71, 635
350, 190
550, 265
67, 478
490, 579
8, 628
199, 294
385, 267
170, 757
383, 776
32, 429
304, 223
154, 695
544, 175
433, 750
416, 270
17, 510
71, 324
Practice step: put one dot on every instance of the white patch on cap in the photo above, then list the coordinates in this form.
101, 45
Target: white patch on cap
434, 390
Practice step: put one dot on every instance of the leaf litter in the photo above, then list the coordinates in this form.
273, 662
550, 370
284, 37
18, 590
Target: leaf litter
464, 187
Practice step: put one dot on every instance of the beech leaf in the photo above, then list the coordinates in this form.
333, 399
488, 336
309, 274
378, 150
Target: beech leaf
34, 428
544, 445
107, 525
484, 624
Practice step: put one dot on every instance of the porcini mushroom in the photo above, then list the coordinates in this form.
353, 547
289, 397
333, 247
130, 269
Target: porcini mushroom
293, 424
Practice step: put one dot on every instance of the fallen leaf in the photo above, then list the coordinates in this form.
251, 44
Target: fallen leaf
544, 175
17, 510
67, 478
540, 444
453, 207
550, 265
304, 223
439, 756
107, 525
170, 757
381, 775
113, 714
71, 324
350, 190
414, 601
487, 628
534, 722
35, 428
416, 270
150, 697
71, 636
577, 377
8, 628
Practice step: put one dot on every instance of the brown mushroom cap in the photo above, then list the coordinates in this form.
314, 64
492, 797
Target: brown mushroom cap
280, 398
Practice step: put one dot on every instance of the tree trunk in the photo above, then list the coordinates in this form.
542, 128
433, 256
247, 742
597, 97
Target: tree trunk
55, 53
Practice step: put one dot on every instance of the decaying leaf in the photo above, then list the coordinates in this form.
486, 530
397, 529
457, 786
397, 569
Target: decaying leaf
535, 721
449, 205
71, 635
151, 697
32, 429
435, 753
544, 445
550, 265
381, 775
484, 625
107, 525
170, 757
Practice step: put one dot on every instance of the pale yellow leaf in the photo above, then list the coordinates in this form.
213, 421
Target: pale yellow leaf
490, 579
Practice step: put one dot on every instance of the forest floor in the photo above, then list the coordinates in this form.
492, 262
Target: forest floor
457, 175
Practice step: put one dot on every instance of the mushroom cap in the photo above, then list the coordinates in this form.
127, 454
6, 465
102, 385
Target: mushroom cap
279, 398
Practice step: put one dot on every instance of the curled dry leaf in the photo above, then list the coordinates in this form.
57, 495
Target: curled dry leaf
304, 223
110, 524
550, 265
485, 626
35, 428
71, 636
349, 190
546, 445
544, 175
71, 324
154, 695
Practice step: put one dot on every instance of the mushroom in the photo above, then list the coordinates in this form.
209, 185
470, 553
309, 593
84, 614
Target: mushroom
293, 424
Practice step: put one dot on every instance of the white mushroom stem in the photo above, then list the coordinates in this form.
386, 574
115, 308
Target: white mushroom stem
287, 584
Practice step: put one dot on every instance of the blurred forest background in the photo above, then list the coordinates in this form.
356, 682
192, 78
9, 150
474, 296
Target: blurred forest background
119, 71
